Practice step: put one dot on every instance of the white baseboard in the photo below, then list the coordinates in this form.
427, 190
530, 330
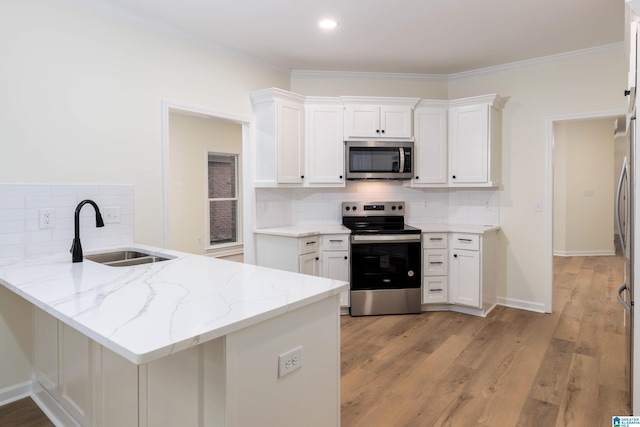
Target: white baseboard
585, 253
52, 409
15, 392
521, 304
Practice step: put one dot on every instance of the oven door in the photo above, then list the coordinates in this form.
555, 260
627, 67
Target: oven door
385, 262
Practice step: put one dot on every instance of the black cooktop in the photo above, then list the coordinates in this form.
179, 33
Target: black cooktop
380, 220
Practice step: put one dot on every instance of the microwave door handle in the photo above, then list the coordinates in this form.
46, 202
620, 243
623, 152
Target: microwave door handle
401, 160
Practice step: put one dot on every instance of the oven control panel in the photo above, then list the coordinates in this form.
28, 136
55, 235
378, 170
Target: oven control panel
373, 208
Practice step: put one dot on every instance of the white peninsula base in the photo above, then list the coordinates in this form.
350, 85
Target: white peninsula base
229, 381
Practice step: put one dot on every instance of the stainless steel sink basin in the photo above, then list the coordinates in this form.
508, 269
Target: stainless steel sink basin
125, 258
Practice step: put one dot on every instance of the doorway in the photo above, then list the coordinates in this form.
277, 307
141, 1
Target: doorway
555, 127
192, 137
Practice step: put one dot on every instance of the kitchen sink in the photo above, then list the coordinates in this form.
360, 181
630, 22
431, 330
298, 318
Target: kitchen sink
126, 258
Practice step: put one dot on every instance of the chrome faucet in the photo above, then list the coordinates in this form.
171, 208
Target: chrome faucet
76, 247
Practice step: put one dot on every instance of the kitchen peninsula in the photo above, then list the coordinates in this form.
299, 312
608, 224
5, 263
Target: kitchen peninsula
188, 341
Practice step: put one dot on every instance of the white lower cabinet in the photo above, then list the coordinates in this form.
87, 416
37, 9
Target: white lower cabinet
296, 254
465, 278
435, 268
95, 386
335, 261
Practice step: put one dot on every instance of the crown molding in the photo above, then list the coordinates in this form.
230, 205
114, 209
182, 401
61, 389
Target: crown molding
462, 75
367, 75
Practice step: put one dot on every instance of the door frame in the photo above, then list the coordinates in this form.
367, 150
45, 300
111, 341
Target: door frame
168, 107
548, 198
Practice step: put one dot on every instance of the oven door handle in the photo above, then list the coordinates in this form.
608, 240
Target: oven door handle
385, 238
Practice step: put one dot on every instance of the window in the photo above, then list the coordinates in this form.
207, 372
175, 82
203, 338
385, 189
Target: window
223, 199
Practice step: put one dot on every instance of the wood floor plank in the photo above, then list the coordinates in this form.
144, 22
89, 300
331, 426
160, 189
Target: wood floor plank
23, 413
512, 368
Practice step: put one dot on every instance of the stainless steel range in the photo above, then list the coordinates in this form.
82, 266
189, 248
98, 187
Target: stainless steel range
385, 259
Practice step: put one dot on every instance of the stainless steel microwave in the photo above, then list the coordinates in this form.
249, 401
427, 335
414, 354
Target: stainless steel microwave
378, 160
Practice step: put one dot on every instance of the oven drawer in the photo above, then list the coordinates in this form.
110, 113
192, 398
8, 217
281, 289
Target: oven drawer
434, 240
469, 242
435, 262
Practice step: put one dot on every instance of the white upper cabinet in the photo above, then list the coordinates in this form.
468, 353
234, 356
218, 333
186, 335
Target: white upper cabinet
475, 139
430, 130
279, 153
369, 117
325, 142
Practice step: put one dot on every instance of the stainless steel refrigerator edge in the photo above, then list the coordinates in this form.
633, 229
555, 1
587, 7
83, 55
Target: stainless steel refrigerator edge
625, 221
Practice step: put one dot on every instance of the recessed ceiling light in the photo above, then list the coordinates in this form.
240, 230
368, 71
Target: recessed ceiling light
328, 24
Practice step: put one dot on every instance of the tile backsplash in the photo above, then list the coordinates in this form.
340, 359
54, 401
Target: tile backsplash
298, 206
20, 204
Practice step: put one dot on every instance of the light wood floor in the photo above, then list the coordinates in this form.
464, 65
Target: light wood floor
513, 368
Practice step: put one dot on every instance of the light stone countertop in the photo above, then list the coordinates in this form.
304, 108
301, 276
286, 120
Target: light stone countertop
304, 230
149, 311
310, 230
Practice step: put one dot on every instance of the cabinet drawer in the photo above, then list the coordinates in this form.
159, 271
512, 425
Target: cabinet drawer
435, 262
434, 290
469, 242
335, 242
308, 244
434, 240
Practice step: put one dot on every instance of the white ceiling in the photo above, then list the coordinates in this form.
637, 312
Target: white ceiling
398, 36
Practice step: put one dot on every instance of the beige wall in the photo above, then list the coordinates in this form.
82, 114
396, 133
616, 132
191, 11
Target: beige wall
583, 187
81, 103
572, 85
190, 139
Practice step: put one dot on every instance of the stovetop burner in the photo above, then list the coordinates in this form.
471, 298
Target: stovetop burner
376, 218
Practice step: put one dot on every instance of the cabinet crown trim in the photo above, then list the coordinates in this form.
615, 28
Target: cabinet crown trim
493, 100
269, 94
379, 100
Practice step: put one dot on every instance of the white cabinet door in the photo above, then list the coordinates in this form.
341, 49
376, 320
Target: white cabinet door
430, 162
434, 289
335, 265
379, 121
469, 144
45, 336
325, 144
465, 277
395, 121
310, 264
362, 121
76, 379
290, 142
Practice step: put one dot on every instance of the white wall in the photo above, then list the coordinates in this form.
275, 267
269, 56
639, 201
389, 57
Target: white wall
584, 82
583, 187
190, 139
81, 92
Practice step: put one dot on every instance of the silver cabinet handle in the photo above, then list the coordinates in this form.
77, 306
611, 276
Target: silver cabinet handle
435, 290
311, 243
464, 240
435, 262
336, 241
435, 239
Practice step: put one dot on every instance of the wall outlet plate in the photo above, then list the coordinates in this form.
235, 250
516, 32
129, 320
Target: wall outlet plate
289, 361
47, 218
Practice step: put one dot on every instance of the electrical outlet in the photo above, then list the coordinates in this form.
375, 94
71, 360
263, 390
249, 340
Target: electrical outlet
111, 215
289, 361
47, 218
